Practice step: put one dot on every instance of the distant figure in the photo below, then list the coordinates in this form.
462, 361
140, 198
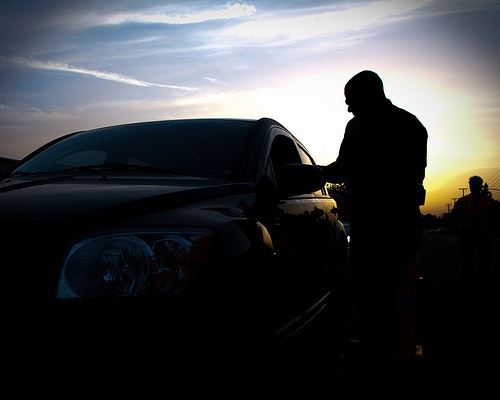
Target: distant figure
473, 214
382, 160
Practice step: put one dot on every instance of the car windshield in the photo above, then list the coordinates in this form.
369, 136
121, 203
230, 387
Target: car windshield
205, 148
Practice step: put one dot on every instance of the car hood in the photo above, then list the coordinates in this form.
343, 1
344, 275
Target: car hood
97, 198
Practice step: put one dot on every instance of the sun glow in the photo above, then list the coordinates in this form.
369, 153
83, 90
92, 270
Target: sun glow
311, 105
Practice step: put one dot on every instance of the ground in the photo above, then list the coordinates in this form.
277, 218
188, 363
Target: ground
458, 334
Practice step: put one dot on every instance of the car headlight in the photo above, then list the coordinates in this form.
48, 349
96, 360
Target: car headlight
133, 264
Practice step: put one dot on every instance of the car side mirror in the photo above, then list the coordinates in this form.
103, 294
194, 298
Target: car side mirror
295, 179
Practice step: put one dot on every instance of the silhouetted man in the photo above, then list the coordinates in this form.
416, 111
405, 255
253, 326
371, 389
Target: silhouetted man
382, 159
474, 215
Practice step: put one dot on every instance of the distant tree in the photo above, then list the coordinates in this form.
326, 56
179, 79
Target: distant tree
430, 221
486, 190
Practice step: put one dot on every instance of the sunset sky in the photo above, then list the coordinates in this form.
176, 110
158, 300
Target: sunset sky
68, 65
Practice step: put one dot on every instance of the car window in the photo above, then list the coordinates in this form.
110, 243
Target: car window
305, 157
205, 148
284, 151
83, 158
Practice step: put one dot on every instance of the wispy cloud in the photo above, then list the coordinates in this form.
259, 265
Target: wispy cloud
325, 23
160, 16
11, 115
109, 76
443, 7
215, 81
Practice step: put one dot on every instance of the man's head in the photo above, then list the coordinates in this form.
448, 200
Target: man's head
475, 184
364, 91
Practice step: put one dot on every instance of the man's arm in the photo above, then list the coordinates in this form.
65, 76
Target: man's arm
339, 170
332, 172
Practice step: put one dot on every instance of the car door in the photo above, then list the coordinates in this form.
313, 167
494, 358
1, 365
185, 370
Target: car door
303, 231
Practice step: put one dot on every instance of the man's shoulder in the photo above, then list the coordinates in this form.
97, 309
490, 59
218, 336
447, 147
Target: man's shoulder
402, 113
405, 116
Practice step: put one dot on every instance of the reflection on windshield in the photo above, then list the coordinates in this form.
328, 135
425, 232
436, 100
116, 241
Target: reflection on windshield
206, 148
105, 167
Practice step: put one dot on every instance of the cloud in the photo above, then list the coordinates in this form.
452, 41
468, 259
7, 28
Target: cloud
215, 81
109, 76
443, 7
319, 23
13, 116
158, 16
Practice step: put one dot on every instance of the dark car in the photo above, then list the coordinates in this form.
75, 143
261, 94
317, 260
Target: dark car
226, 216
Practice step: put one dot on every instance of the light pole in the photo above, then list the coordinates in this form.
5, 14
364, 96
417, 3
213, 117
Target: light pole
463, 189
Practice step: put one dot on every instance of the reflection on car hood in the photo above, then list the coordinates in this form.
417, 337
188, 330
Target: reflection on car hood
67, 198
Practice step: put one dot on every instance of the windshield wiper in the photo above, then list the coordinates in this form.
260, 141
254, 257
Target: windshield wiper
110, 166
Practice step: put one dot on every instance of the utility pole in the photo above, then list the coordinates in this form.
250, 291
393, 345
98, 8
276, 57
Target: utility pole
448, 205
463, 191
455, 199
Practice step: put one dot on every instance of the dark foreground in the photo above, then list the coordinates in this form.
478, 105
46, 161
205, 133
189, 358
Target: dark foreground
460, 325
457, 329
459, 335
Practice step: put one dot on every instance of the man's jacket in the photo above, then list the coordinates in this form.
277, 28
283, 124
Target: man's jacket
382, 158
